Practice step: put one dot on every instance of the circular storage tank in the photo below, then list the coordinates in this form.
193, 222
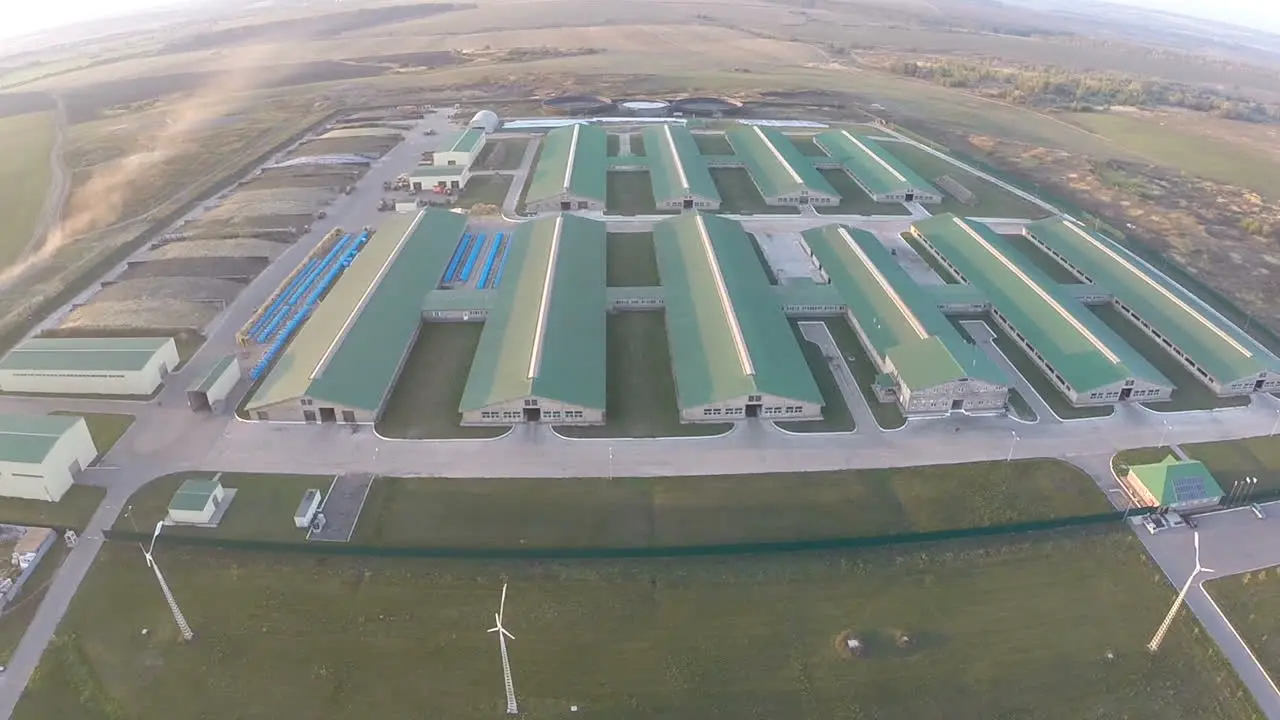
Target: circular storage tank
706, 106
578, 105
645, 108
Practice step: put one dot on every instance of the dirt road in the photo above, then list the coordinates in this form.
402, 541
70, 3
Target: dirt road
59, 184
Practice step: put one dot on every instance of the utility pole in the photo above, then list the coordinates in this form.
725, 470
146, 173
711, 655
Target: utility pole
1012, 445
1163, 433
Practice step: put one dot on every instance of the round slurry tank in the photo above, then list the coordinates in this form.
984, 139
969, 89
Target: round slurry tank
706, 106
578, 105
645, 108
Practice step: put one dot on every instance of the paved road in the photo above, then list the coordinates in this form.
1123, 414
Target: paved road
985, 339
818, 334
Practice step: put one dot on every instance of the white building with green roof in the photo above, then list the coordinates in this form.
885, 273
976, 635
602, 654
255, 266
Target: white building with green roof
677, 170
881, 176
931, 369
571, 172
733, 353
88, 366
462, 150
783, 174
541, 356
41, 455
1218, 353
1080, 354
1180, 485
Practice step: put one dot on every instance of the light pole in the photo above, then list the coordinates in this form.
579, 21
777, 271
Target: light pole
178, 618
610, 462
1249, 484
1012, 445
1275, 425
1163, 433
1158, 638
1232, 495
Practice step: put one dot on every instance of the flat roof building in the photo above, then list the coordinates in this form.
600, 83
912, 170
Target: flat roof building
677, 171
541, 356
732, 350
463, 150
344, 360
782, 173
1219, 354
212, 389
880, 175
41, 455
1180, 485
1083, 357
88, 366
934, 370
571, 172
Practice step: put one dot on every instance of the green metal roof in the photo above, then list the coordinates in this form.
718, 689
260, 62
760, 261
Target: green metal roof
874, 166
458, 298
728, 335
545, 336
678, 169
349, 350
426, 171
1084, 351
84, 354
467, 141
1218, 346
29, 438
901, 320
1173, 481
215, 374
573, 159
777, 167
193, 494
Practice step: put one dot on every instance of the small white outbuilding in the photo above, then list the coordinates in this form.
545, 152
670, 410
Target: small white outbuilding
196, 501
41, 455
308, 508
88, 366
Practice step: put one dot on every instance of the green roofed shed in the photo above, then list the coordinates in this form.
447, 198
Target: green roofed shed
1176, 484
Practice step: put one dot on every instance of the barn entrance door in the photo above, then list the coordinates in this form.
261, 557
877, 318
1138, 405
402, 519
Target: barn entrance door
1125, 393
328, 415
753, 410
533, 414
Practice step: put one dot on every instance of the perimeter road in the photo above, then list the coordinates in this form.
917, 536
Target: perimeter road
818, 334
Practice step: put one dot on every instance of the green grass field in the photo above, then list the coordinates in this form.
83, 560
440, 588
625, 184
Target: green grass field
1250, 602
631, 260
641, 399
629, 193
1020, 408
738, 194
806, 146
19, 613
1195, 154
991, 200
835, 413
1229, 461
261, 510
888, 415
106, 429
1050, 627
1038, 258
25, 144
484, 189
1191, 394
73, 510
502, 154
424, 402
713, 143
853, 201
1052, 397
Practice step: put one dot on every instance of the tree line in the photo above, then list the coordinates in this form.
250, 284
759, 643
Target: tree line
1057, 88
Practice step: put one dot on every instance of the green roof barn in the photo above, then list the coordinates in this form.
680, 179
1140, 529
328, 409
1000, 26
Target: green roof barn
1175, 484
571, 170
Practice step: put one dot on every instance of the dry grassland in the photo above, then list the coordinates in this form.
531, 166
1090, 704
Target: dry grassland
25, 144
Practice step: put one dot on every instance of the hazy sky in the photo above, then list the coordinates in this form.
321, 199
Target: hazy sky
18, 17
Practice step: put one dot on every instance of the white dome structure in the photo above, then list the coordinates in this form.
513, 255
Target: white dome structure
486, 120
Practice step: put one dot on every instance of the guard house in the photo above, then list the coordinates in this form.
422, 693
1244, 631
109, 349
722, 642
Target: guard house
196, 501
1181, 485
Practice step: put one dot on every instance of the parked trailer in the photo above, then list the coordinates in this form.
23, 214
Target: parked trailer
487, 269
471, 259
458, 253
